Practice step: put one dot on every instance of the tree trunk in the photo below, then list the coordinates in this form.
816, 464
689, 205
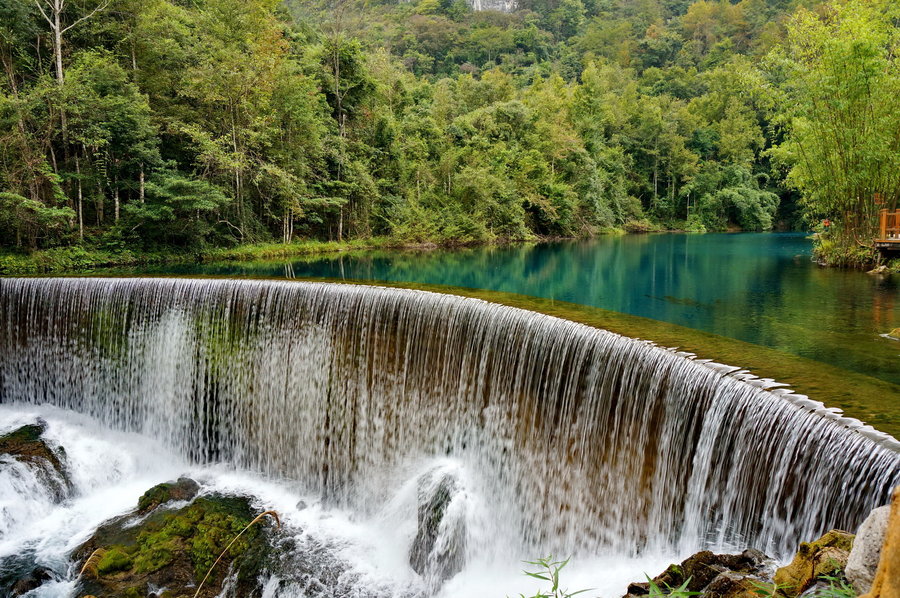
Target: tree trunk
100, 198
57, 47
80, 201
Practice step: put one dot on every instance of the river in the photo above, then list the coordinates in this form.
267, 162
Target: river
760, 288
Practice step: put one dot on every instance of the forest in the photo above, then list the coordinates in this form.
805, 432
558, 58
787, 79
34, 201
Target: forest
184, 125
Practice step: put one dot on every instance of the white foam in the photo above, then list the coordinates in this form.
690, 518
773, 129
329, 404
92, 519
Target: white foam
111, 470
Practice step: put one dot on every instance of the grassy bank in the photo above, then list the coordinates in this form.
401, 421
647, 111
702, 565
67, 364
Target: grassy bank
81, 259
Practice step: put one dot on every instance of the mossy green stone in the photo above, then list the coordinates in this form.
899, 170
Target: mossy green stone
181, 489
176, 547
113, 561
25, 434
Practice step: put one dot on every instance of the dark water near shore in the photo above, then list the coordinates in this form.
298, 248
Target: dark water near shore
758, 288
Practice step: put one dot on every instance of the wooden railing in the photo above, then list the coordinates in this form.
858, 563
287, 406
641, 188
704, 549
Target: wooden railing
889, 229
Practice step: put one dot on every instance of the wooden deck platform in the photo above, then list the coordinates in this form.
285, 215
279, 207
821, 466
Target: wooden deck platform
889, 231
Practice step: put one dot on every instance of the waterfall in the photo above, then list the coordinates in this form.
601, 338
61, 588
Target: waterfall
576, 440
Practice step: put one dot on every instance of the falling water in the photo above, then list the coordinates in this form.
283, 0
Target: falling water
568, 438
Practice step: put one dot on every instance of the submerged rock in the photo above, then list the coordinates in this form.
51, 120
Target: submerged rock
32, 581
174, 549
825, 556
438, 550
863, 560
720, 575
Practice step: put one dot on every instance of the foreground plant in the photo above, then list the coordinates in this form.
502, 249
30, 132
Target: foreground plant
548, 570
667, 590
838, 587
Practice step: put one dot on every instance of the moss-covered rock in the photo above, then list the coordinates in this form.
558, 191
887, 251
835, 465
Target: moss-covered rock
825, 556
175, 548
181, 489
112, 561
720, 575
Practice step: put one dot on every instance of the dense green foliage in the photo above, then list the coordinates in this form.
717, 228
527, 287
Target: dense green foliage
190, 124
841, 102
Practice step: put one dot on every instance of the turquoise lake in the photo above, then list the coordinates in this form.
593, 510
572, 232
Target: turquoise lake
760, 288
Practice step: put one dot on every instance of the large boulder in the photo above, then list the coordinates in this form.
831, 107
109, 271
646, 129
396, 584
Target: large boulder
825, 556
174, 547
887, 578
438, 550
863, 560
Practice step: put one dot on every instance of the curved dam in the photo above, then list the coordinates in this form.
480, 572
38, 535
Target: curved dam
572, 440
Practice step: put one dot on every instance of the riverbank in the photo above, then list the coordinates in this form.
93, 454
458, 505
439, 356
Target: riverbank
81, 259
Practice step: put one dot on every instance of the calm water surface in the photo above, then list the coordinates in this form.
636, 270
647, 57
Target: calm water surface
759, 288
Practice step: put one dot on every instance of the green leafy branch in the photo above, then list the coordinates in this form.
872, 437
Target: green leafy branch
548, 570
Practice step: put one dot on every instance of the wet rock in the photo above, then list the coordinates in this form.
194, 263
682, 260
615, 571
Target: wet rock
734, 585
638, 588
722, 575
175, 548
438, 549
887, 577
180, 490
26, 444
863, 560
32, 581
813, 560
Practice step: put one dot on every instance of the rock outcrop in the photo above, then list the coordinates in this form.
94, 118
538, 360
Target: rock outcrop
741, 575
27, 445
498, 5
863, 561
826, 556
887, 578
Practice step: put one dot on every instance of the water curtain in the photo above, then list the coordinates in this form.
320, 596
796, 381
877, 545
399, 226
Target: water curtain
574, 439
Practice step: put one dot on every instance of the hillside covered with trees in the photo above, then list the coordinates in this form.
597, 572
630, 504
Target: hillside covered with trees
181, 125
